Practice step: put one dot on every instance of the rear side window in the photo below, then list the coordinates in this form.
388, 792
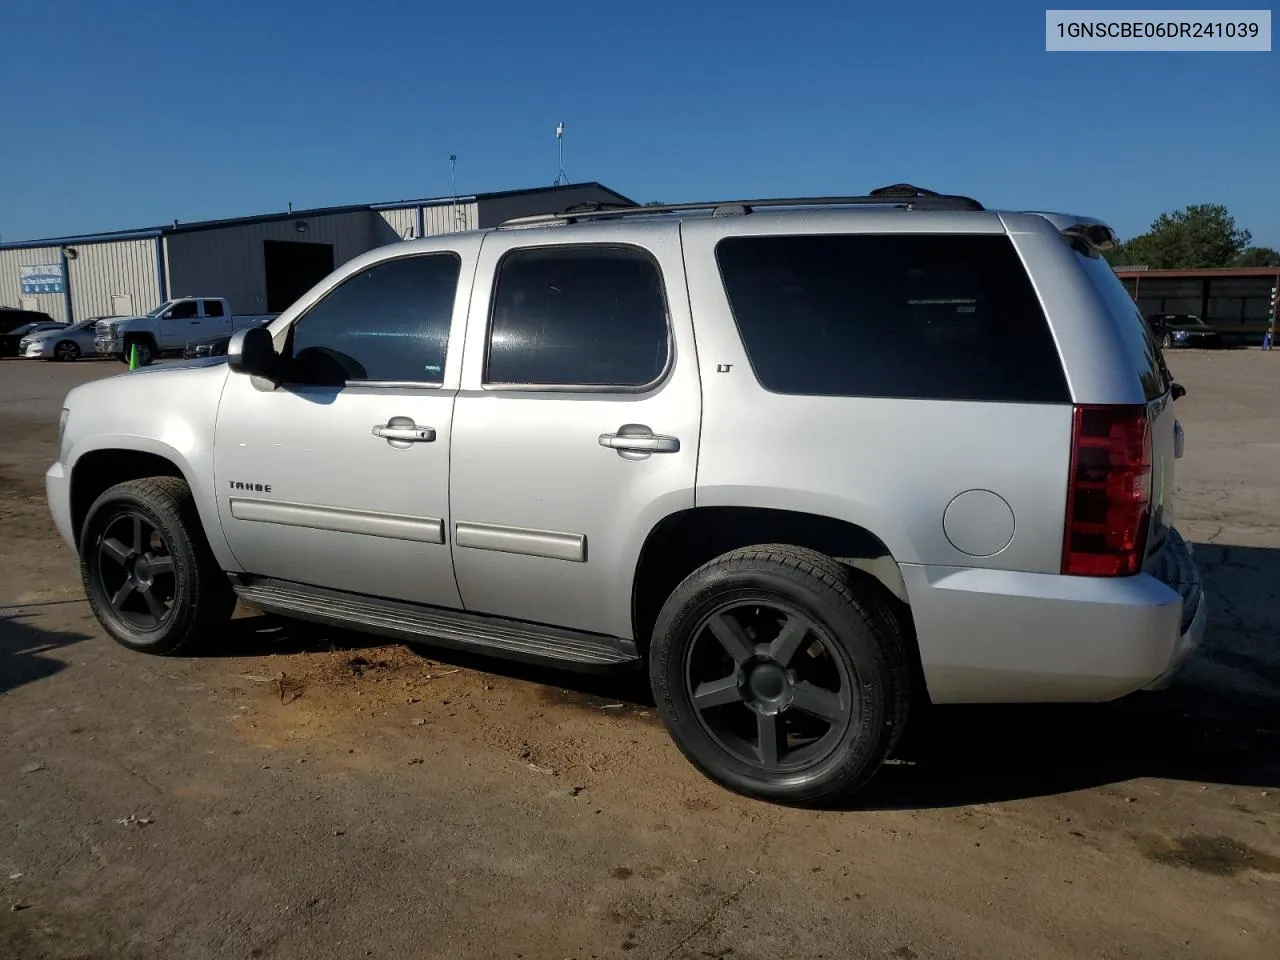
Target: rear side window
213, 308
1144, 356
588, 315
948, 317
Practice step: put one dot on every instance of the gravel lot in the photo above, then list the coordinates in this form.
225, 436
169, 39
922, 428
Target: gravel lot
296, 793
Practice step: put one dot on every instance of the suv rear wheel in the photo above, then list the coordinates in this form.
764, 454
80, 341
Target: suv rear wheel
149, 575
779, 676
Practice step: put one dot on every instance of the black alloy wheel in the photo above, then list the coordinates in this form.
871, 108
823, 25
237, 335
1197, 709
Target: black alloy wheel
148, 572
135, 570
768, 687
781, 674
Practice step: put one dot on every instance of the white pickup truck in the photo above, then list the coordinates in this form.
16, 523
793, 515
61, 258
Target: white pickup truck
170, 327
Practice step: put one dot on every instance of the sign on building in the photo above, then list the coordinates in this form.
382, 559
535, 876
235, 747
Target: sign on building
41, 278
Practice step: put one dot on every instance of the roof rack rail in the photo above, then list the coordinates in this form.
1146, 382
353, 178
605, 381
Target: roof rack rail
897, 195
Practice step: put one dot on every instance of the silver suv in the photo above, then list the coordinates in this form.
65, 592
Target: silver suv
807, 461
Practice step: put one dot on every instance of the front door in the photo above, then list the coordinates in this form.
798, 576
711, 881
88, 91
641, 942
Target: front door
576, 430
179, 325
338, 477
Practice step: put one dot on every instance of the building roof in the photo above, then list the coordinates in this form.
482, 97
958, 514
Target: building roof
143, 233
1129, 273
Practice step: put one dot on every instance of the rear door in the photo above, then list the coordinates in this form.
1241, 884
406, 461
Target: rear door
214, 318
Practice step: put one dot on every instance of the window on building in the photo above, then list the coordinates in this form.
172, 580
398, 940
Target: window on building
389, 322
587, 315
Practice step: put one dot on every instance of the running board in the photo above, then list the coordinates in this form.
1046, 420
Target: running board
497, 636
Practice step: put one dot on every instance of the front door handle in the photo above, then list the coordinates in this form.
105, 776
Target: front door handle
637, 439
402, 430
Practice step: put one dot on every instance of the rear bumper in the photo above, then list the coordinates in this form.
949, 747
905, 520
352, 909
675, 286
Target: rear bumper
999, 636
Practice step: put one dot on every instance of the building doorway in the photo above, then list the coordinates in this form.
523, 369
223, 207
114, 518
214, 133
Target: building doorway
293, 268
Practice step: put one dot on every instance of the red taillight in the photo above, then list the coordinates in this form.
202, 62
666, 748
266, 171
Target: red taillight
1108, 493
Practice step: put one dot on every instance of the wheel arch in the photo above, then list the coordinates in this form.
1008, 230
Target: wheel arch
114, 460
685, 540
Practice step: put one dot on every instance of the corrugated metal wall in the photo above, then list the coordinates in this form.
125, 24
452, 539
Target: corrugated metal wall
449, 218
54, 304
229, 262
120, 268
437, 218
403, 222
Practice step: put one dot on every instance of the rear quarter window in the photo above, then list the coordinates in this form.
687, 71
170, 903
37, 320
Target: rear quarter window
1144, 356
932, 317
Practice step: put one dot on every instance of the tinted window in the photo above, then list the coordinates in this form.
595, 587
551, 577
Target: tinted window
929, 317
389, 322
586, 315
213, 308
1144, 356
186, 310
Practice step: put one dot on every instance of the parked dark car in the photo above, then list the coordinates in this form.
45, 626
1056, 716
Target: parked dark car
12, 317
1183, 330
10, 338
215, 346
207, 347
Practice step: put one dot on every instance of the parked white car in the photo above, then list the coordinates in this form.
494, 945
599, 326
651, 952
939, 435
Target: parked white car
60, 343
170, 327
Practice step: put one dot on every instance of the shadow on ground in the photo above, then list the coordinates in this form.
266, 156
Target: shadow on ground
1219, 723
24, 652
1211, 726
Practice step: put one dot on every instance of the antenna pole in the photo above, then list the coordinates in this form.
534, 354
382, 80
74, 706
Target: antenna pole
561, 178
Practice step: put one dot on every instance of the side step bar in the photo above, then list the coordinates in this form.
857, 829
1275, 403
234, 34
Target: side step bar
507, 639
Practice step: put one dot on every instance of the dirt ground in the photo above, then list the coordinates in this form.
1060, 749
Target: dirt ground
295, 793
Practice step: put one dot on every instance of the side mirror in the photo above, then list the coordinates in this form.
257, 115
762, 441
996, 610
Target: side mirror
1178, 390
252, 351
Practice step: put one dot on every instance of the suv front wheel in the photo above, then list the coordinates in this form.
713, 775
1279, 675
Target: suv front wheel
150, 577
779, 676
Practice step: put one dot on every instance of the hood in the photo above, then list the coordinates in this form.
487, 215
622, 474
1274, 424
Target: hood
108, 324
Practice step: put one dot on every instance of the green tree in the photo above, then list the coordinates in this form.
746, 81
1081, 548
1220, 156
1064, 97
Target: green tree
654, 203
1201, 235
1258, 257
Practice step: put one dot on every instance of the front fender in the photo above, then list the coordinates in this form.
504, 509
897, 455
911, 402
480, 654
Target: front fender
198, 475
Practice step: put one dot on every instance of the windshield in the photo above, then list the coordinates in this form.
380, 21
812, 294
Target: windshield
162, 308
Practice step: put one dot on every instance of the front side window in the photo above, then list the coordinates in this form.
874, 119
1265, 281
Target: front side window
931, 317
389, 322
186, 310
588, 315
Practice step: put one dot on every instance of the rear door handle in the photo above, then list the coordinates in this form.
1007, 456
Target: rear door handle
404, 430
635, 438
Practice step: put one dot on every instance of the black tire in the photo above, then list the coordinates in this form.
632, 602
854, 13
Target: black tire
146, 350
66, 350
125, 568
859, 640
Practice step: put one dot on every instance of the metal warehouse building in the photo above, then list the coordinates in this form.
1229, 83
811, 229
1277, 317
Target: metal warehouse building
260, 264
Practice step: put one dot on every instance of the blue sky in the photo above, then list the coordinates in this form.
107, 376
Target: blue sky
135, 112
